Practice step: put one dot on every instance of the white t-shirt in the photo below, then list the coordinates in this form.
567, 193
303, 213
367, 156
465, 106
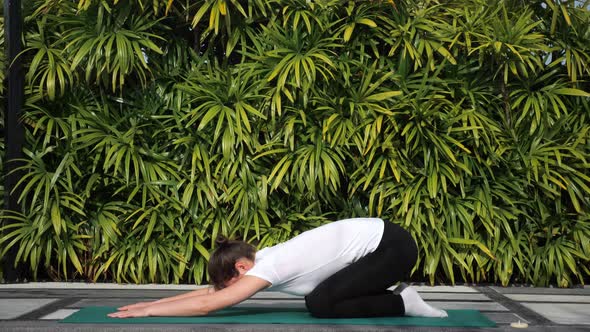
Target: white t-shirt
300, 264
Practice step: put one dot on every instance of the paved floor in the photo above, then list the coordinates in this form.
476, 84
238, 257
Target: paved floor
40, 306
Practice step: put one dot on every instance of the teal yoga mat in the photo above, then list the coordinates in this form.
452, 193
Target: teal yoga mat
253, 315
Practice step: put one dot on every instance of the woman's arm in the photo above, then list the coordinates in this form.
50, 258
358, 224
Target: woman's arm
201, 305
198, 292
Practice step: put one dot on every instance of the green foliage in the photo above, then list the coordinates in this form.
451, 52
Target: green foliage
2, 101
154, 127
2, 56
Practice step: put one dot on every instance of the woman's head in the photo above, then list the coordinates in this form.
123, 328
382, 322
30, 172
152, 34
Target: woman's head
230, 260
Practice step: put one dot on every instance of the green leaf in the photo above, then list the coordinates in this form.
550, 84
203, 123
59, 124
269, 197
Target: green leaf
56, 218
202, 250
348, 31
571, 92
367, 22
384, 95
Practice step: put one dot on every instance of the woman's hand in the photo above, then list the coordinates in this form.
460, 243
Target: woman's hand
140, 312
138, 305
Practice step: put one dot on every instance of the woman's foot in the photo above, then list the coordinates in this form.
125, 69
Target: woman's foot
415, 306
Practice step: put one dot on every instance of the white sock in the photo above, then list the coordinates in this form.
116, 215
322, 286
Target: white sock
415, 306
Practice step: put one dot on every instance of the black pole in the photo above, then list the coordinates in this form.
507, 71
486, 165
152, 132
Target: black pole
13, 129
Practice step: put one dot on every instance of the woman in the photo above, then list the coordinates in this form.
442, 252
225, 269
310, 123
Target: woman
343, 269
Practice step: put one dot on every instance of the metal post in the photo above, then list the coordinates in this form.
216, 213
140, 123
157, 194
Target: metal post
13, 129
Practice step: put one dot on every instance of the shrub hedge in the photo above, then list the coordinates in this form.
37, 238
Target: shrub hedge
152, 127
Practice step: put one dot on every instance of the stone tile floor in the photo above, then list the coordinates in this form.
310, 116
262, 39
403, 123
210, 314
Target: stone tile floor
40, 306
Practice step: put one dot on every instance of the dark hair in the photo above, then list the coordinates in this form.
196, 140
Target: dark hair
223, 260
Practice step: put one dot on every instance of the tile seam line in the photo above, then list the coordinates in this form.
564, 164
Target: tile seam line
515, 307
554, 302
47, 309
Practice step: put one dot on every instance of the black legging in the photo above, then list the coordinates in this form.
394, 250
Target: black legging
360, 289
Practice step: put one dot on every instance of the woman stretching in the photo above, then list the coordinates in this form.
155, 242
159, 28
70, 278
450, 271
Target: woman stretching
343, 269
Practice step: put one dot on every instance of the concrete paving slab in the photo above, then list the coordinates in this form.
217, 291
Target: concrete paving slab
445, 289
481, 306
454, 296
44, 286
549, 298
542, 290
503, 305
484, 306
59, 314
275, 295
13, 308
54, 326
106, 297
106, 302
87, 285
505, 317
113, 293
563, 313
88, 293
272, 304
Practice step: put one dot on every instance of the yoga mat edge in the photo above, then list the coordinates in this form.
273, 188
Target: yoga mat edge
253, 315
